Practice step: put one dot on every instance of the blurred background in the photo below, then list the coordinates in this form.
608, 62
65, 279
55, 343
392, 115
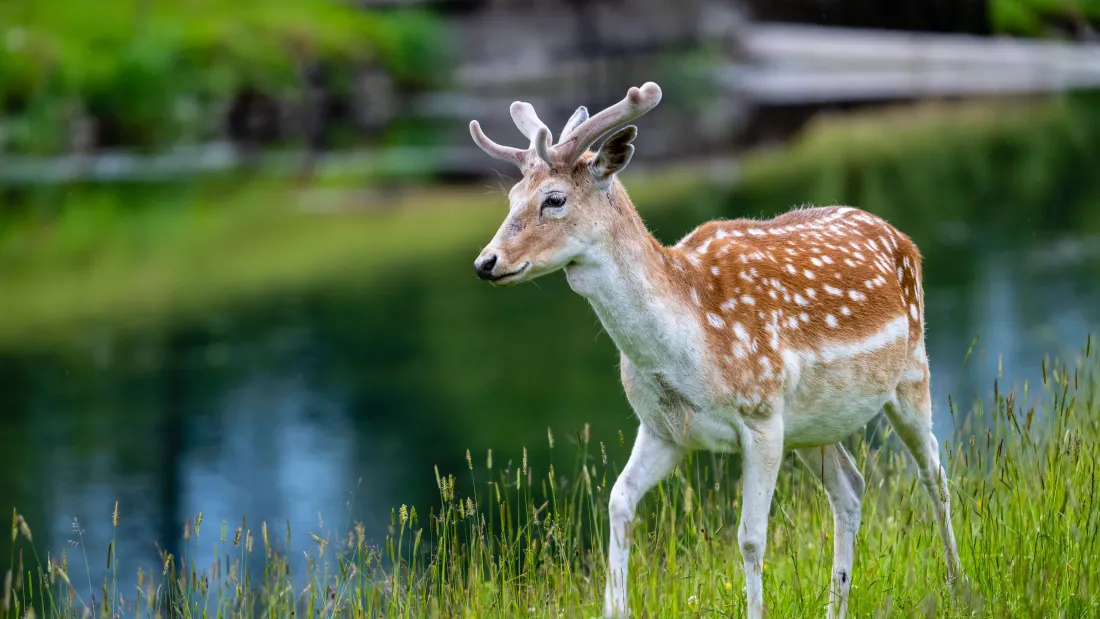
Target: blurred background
236, 236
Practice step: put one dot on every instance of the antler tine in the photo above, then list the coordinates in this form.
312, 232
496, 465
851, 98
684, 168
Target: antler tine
574, 121
504, 153
637, 102
527, 121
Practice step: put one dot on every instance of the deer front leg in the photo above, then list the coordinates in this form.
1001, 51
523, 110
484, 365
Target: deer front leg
651, 460
762, 453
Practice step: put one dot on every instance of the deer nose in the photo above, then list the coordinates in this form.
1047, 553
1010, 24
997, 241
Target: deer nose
484, 266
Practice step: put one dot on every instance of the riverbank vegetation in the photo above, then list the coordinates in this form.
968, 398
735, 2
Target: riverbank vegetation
128, 256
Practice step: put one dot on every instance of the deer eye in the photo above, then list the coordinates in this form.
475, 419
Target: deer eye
554, 200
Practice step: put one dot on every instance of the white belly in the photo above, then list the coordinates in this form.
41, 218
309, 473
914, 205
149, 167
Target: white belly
836, 391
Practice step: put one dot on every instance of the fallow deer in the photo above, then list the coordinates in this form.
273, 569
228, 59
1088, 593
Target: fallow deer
751, 335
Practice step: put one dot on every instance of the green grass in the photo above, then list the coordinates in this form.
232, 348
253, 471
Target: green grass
530, 543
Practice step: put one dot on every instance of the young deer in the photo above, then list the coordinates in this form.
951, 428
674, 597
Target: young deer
762, 336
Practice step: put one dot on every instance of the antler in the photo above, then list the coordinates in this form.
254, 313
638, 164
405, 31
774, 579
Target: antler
638, 101
580, 132
523, 114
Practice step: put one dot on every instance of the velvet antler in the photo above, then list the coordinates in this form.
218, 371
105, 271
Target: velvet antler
580, 132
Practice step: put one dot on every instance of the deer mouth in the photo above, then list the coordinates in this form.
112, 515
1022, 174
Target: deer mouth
510, 278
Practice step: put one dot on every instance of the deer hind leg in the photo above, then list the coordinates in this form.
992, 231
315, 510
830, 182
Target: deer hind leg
844, 487
911, 416
762, 453
651, 460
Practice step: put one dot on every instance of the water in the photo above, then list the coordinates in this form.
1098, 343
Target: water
319, 408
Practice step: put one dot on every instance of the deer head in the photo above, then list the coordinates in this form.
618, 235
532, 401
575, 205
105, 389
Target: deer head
559, 208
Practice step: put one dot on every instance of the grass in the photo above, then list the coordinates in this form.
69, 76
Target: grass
1022, 469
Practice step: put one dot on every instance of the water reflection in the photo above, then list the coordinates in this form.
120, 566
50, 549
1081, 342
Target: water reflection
336, 405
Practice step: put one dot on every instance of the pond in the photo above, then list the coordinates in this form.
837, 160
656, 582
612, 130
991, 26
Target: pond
316, 408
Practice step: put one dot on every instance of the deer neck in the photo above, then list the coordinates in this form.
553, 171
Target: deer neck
627, 280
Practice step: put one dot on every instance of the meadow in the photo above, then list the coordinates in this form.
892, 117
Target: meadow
505, 540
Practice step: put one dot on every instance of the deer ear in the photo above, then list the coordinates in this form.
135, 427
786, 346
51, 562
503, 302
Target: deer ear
614, 154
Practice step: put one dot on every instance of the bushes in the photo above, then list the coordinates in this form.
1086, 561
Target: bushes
152, 72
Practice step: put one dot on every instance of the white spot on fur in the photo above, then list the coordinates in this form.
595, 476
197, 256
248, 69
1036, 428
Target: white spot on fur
756, 232
804, 316
809, 274
739, 350
844, 310
747, 300
913, 311
695, 297
810, 292
728, 305
715, 320
856, 295
830, 320
817, 261
836, 292
801, 300
740, 332
714, 270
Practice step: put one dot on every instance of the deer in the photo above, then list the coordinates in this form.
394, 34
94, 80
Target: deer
747, 335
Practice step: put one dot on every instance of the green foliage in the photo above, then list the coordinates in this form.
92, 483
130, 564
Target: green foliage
995, 163
508, 540
156, 70
1012, 170
1029, 17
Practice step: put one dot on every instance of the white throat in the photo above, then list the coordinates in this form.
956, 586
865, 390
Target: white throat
645, 321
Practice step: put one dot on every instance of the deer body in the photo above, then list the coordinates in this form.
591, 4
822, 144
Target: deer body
750, 336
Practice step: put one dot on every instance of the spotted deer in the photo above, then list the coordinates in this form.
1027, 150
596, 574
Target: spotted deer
747, 335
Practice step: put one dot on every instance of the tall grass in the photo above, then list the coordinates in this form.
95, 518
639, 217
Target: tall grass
508, 540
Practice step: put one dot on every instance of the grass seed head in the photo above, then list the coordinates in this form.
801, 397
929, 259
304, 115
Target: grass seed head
6, 602
24, 529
